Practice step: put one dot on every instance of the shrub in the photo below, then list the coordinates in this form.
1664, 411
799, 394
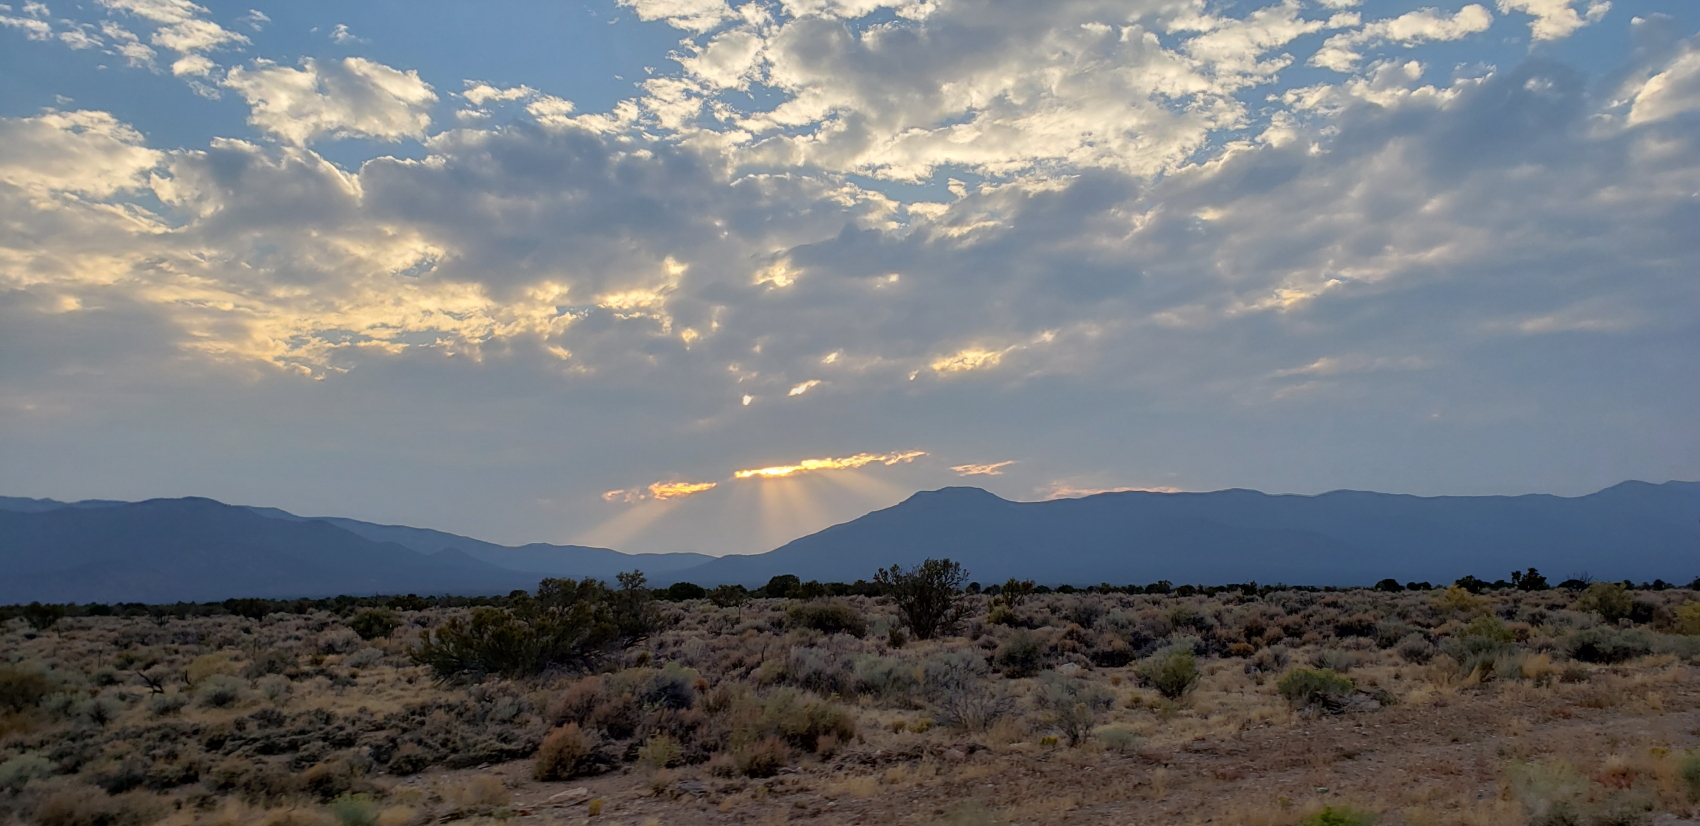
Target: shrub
374, 623
274, 687
1686, 619
42, 617
1173, 671
1119, 739
566, 753
165, 705
1334, 659
834, 617
762, 758
208, 665
220, 691
1414, 648
1341, 816
21, 690
1020, 655
1074, 704
354, 810
956, 686
568, 623
364, 658
88, 806
1304, 687
1608, 645
1689, 771
659, 752
1611, 600
883, 676
19, 771
928, 596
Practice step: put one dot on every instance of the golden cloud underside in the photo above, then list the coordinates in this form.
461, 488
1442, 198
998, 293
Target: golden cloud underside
846, 463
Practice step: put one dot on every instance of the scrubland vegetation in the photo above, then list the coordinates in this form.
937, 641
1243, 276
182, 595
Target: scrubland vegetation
914, 698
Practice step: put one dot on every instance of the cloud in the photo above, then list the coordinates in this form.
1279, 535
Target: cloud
341, 36
660, 491
1673, 91
1557, 19
352, 97
993, 469
690, 15
182, 27
1340, 52
816, 465
88, 153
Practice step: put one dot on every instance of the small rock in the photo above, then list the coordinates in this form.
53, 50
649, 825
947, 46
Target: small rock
696, 787
570, 796
956, 755
1068, 669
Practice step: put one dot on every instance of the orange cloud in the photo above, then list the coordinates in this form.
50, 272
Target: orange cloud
659, 491
994, 469
846, 463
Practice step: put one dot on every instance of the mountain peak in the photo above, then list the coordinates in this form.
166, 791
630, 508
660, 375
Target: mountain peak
955, 494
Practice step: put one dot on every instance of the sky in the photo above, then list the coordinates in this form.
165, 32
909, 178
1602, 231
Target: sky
699, 275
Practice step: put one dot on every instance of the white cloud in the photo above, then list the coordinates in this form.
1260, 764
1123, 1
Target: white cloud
341, 36
183, 28
690, 15
32, 28
352, 97
1341, 54
89, 153
1673, 91
1557, 19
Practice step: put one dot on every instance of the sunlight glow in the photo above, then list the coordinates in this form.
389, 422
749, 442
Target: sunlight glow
804, 387
848, 462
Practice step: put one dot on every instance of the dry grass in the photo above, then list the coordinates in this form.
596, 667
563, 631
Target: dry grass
674, 729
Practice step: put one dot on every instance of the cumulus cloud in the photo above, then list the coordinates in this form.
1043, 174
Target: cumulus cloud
352, 97
88, 153
183, 26
1670, 92
1341, 52
690, 15
1557, 19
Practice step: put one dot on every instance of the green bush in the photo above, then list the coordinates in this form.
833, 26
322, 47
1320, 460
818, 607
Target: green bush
22, 690
1304, 687
1341, 816
1020, 655
1689, 771
567, 623
19, 771
834, 617
42, 617
1609, 645
375, 623
220, 691
1173, 671
928, 596
1611, 600
354, 810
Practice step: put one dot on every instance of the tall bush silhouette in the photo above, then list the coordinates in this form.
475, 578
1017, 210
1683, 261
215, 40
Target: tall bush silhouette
929, 596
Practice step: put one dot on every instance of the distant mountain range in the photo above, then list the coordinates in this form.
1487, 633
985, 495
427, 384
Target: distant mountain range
1635, 530
165, 550
198, 549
